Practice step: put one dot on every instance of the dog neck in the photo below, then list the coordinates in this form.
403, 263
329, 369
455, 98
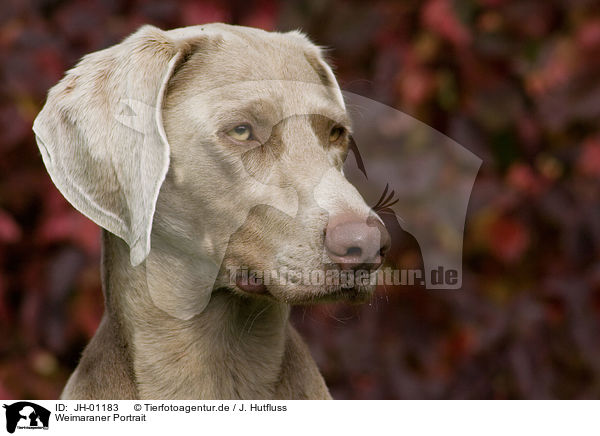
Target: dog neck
233, 349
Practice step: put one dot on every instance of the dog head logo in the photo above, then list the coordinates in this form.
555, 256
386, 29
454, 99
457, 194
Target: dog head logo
26, 415
417, 180
282, 176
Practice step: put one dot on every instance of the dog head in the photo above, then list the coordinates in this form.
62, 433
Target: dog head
221, 147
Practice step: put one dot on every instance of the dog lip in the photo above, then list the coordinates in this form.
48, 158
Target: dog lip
251, 288
347, 294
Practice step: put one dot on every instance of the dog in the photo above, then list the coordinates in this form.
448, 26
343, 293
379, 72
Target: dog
208, 154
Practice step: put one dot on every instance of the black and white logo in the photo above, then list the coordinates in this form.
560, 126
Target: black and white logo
26, 415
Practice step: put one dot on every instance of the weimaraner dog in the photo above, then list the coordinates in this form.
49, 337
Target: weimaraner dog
204, 153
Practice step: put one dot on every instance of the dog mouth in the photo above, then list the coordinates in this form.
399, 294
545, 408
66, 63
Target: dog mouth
251, 285
354, 294
299, 291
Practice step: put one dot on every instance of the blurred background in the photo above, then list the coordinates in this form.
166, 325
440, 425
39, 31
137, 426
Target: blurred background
515, 82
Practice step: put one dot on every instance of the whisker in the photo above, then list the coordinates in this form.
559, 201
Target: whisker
257, 315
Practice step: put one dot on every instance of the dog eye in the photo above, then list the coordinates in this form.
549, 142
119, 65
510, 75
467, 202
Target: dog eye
243, 132
336, 133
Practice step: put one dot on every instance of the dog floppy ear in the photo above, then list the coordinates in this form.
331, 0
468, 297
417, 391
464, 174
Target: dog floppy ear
101, 136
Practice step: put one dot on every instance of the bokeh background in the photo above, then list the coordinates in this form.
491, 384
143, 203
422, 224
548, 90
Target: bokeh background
516, 82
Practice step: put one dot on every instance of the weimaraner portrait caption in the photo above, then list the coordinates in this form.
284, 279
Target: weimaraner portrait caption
208, 154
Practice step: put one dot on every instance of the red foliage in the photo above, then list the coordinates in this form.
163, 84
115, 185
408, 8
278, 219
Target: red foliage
515, 82
589, 159
439, 16
508, 239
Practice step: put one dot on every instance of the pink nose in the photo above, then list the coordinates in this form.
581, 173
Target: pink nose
355, 244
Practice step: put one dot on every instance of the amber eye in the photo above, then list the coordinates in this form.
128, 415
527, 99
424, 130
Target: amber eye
243, 132
336, 133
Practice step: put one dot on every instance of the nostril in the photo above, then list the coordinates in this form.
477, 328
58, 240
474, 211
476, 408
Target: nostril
355, 243
354, 252
385, 240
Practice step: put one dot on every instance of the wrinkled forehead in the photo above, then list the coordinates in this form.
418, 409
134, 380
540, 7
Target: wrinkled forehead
268, 101
268, 73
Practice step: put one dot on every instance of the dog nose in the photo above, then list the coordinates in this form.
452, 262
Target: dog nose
355, 244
